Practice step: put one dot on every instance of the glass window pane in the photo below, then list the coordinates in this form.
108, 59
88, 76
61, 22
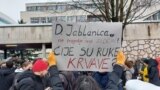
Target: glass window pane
155, 17
61, 18
81, 18
34, 19
61, 8
71, 18
159, 15
49, 19
52, 8
43, 19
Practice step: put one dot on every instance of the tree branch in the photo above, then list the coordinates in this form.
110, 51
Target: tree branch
128, 12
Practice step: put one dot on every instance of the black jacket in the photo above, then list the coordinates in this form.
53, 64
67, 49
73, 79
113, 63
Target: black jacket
54, 79
101, 79
6, 78
29, 81
114, 78
153, 72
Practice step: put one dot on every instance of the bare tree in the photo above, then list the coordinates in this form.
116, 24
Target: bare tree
125, 11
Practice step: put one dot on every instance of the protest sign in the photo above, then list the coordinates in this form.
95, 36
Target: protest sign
86, 46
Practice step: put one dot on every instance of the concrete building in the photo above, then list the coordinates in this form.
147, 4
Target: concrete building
58, 11
4, 19
67, 11
150, 13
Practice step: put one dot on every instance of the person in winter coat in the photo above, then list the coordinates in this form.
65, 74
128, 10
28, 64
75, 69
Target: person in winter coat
144, 71
137, 68
101, 78
68, 79
7, 76
40, 77
153, 72
115, 82
129, 70
24, 67
34, 79
54, 80
158, 61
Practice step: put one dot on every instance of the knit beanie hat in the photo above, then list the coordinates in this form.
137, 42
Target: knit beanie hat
39, 65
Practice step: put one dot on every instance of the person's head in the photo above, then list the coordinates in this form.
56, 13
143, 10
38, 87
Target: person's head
86, 83
27, 65
40, 67
9, 64
129, 64
144, 61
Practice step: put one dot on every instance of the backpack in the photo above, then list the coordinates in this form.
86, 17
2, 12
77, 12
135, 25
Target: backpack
15, 83
63, 76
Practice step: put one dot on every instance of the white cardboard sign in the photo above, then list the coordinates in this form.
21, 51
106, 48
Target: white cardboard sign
86, 46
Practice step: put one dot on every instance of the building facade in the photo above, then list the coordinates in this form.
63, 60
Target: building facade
149, 11
58, 11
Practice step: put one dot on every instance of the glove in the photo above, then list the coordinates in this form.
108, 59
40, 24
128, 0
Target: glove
120, 58
52, 59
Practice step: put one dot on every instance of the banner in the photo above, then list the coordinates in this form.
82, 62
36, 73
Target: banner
86, 46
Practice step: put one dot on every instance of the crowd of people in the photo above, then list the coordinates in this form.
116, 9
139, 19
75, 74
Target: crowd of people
42, 74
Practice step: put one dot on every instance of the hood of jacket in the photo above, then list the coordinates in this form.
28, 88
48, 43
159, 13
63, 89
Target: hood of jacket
27, 74
152, 63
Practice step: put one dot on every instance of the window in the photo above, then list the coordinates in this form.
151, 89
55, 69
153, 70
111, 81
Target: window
52, 8
71, 18
43, 19
149, 18
71, 8
81, 18
49, 19
61, 8
34, 20
61, 18
41, 8
155, 17
29, 9
32, 8
93, 18
159, 15
90, 6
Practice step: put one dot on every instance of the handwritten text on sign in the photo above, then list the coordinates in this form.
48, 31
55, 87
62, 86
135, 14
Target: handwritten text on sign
86, 46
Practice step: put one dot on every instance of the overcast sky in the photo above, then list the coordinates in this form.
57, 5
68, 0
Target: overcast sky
12, 8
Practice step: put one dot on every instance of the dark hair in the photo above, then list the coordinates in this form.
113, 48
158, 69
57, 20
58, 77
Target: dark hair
9, 64
129, 64
25, 64
86, 83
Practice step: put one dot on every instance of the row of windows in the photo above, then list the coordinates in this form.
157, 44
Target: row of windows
65, 19
60, 18
154, 17
58, 7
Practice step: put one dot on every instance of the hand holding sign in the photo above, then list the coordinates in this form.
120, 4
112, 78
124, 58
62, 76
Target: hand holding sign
52, 59
120, 58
